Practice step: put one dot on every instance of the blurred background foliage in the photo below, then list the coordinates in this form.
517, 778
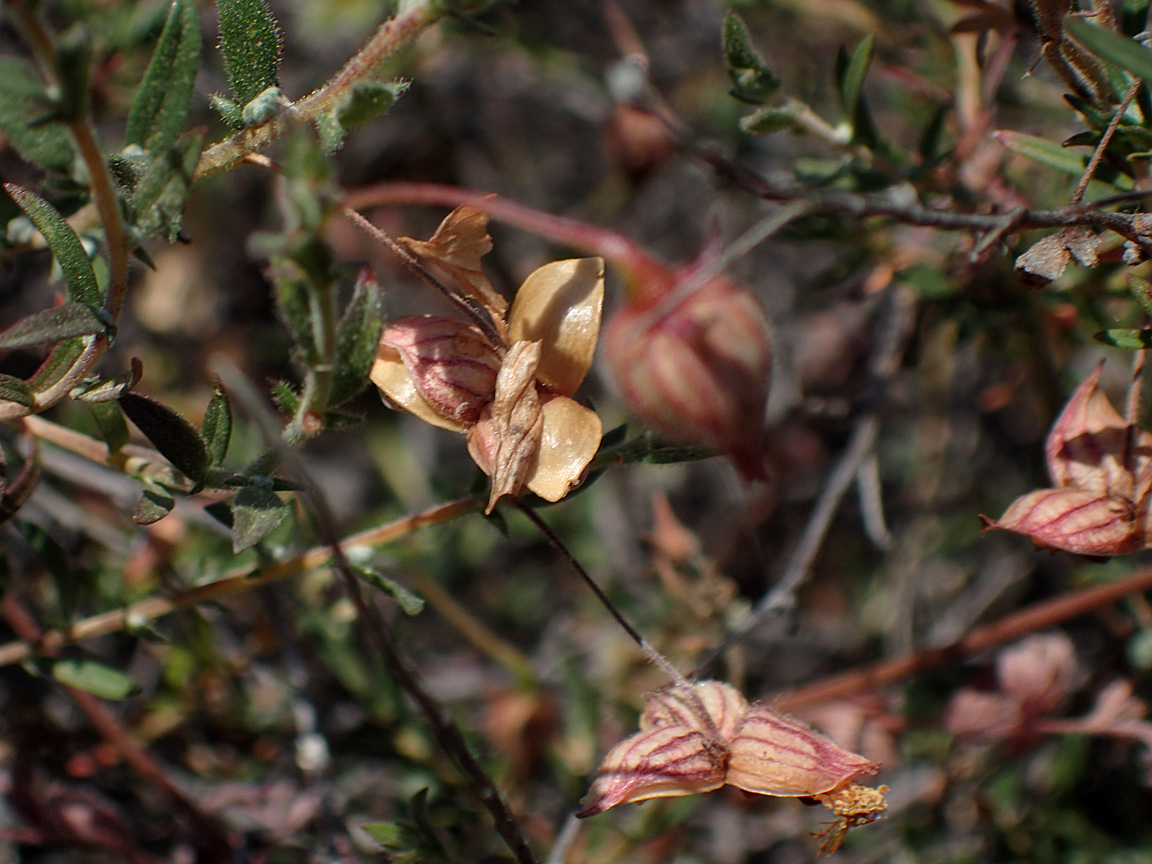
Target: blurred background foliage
271, 710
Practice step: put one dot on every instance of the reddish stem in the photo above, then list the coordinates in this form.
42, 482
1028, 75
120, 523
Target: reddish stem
648, 279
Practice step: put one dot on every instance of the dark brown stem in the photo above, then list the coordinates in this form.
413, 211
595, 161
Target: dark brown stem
1098, 154
1040, 616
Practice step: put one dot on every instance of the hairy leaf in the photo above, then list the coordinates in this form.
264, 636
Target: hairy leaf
250, 41
159, 196
26, 118
1130, 56
165, 95
16, 390
256, 511
155, 503
411, 603
63, 242
110, 421
357, 339
54, 325
216, 427
175, 438
752, 80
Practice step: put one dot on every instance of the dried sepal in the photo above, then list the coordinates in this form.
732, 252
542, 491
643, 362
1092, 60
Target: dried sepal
1047, 259
1073, 520
570, 438
695, 739
506, 438
456, 248
1087, 446
440, 369
776, 755
559, 306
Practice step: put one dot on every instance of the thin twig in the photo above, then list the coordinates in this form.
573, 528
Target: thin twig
655, 656
1105, 139
1039, 616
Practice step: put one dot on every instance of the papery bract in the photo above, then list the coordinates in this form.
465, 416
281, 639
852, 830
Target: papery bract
1074, 520
699, 371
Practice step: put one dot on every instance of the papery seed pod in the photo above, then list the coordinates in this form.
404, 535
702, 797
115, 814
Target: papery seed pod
699, 371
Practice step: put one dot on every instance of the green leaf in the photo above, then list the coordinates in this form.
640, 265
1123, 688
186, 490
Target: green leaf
54, 325
94, 678
16, 390
216, 427
109, 389
159, 196
175, 438
771, 118
411, 603
387, 834
1130, 56
851, 72
250, 41
110, 421
1133, 340
63, 242
27, 119
160, 108
286, 397
155, 503
256, 511
752, 80
1142, 290
293, 303
356, 107
357, 339
229, 111
62, 357
1050, 153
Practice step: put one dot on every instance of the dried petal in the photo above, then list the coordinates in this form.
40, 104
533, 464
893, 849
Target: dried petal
570, 439
1073, 520
1037, 672
506, 439
559, 306
698, 373
456, 248
438, 368
776, 755
662, 763
1086, 447
712, 708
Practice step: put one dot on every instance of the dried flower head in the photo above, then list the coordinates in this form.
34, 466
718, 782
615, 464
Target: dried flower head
1101, 466
698, 738
510, 398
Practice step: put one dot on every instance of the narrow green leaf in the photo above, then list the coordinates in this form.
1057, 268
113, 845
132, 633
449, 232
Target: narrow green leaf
256, 512
286, 397
1142, 290
752, 80
155, 503
160, 108
1042, 150
387, 834
159, 196
54, 325
26, 118
853, 73
175, 438
771, 118
356, 107
62, 357
1130, 56
216, 427
1133, 340
97, 390
357, 339
94, 678
110, 421
250, 41
293, 304
16, 390
63, 242
411, 603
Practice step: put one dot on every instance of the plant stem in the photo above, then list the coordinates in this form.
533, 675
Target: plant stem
647, 276
385, 42
1039, 616
235, 580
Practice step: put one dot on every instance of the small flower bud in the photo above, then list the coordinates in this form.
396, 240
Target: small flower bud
698, 372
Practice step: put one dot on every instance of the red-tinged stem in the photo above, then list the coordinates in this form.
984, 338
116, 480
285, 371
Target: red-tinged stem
648, 279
